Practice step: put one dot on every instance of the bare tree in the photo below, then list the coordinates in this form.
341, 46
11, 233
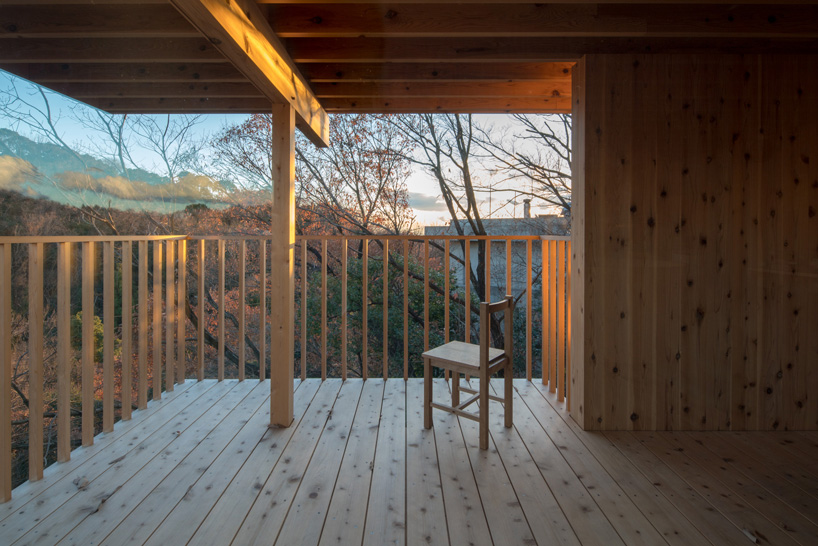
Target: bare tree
536, 151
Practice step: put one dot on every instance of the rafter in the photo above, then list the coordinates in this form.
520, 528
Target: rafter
239, 30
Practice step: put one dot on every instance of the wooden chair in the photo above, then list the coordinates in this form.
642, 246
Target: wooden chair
481, 361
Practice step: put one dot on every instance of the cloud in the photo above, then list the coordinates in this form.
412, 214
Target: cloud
14, 172
422, 201
190, 187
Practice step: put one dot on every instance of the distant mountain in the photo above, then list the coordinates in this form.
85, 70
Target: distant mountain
50, 159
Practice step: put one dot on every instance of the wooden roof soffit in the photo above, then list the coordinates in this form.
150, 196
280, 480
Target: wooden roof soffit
240, 31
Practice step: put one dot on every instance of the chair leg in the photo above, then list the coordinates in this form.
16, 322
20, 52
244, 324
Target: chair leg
427, 393
455, 389
509, 396
484, 410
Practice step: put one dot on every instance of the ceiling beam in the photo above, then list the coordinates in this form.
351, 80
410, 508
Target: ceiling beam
94, 21
84, 91
241, 33
541, 20
488, 71
119, 105
478, 105
103, 50
479, 50
126, 72
547, 88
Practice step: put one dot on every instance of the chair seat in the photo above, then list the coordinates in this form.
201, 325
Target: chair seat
462, 356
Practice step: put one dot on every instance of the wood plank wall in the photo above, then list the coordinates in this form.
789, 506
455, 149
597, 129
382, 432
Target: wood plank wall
695, 250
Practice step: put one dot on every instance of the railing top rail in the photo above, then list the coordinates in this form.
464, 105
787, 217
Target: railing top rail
87, 239
431, 237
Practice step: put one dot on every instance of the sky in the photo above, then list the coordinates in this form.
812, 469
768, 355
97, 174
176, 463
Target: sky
424, 192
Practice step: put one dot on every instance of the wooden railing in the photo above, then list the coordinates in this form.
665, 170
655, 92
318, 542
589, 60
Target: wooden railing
176, 307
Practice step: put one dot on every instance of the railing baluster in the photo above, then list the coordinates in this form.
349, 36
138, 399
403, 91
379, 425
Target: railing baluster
35, 361
87, 343
509, 287
323, 310
561, 320
242, 304
446, 289
170, 316
108, 336
543, 310
64, 352
426, 294
405, 309
221, 251
529, 265
568, 326
344, 248
487, 246
5, 370
181, 300
262, 316
200, 301
385, 316
126, 359
552, 315
157, 320
304, 309
142, 394
467, 288
365, 308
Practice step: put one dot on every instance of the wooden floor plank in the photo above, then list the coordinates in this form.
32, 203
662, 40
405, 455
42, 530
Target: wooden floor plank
121, 494
579, 506
264, 519
776, 482
663, 515
776, 450
201, 466
751, 523
506, 519
74, 494
304, 521
347, 510
243, 424
155, 411
386, 510
425, 513
228, 491
545, 516
799, 528
464, 511
630, 523
684, 497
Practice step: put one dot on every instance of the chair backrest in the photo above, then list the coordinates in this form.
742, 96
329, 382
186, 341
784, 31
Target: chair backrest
487, 309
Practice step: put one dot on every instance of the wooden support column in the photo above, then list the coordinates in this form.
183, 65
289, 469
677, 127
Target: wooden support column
281, 260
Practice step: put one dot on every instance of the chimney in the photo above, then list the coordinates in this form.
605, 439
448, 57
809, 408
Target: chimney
526, 208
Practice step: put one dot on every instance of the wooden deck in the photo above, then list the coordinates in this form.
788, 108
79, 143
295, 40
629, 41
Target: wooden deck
357, 467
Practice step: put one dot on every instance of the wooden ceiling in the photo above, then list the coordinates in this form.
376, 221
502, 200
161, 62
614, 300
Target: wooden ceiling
371, 56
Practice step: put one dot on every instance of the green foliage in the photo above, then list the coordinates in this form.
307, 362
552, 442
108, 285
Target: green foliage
76, 335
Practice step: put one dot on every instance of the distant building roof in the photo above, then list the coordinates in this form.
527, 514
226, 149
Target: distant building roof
546, 224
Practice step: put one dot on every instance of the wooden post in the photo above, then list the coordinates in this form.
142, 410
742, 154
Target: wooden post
181, 300
282, 226
324, 310
64, 352
108, 291
344, 250
5, 369
200, 352
220, 310
87, 343
170, 315
385, 312
364, 308
262, 302
405, 309
142, 319
35, 361
126, 360
157, 320
242, 304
